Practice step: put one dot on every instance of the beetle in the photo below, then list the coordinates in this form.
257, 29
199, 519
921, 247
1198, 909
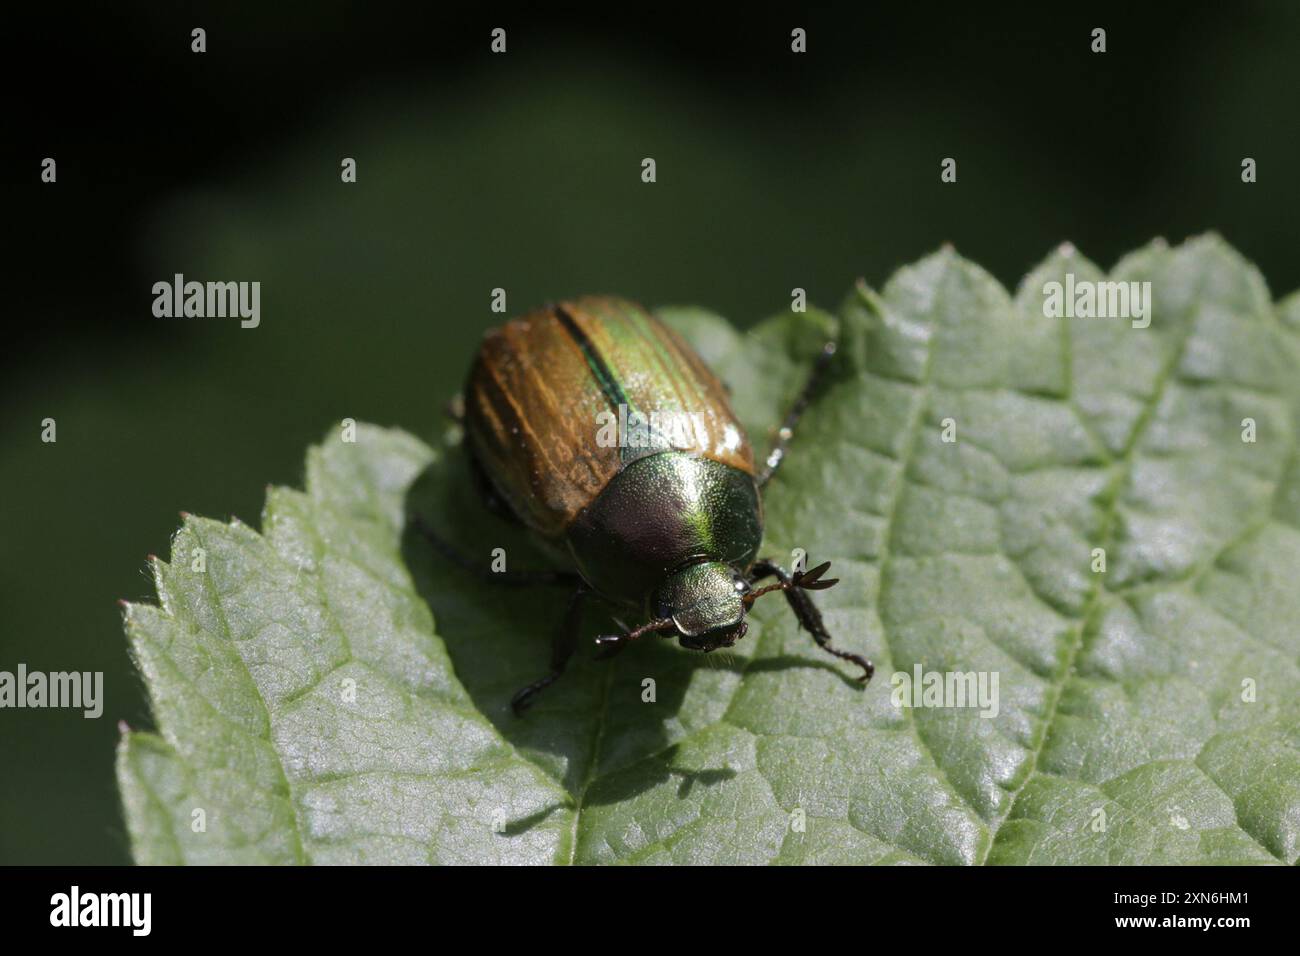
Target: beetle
663, 514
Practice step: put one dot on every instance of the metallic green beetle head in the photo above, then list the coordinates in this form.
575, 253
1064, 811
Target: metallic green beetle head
706, 604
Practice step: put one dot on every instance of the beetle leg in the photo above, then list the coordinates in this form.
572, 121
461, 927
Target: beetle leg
806, 613
785, 433
562, 646
508, 578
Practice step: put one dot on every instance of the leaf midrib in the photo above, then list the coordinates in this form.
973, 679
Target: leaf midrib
1092, 605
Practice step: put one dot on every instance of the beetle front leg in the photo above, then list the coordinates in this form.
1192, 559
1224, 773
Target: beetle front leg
806, 613
562, 647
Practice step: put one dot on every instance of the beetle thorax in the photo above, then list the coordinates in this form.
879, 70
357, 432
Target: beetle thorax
662, 514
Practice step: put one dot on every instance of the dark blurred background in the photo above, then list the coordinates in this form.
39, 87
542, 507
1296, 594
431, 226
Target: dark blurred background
521, 171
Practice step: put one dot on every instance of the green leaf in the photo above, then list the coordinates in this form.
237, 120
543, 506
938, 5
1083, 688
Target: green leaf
1146, 714
307, 712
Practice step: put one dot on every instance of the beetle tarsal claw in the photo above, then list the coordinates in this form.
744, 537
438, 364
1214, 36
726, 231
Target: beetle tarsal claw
868, 668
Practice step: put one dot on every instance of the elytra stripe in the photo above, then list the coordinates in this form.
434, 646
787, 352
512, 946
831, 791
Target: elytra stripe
604, 375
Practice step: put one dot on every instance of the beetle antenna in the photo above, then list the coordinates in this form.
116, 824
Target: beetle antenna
612, 643
810, 580
753, 596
